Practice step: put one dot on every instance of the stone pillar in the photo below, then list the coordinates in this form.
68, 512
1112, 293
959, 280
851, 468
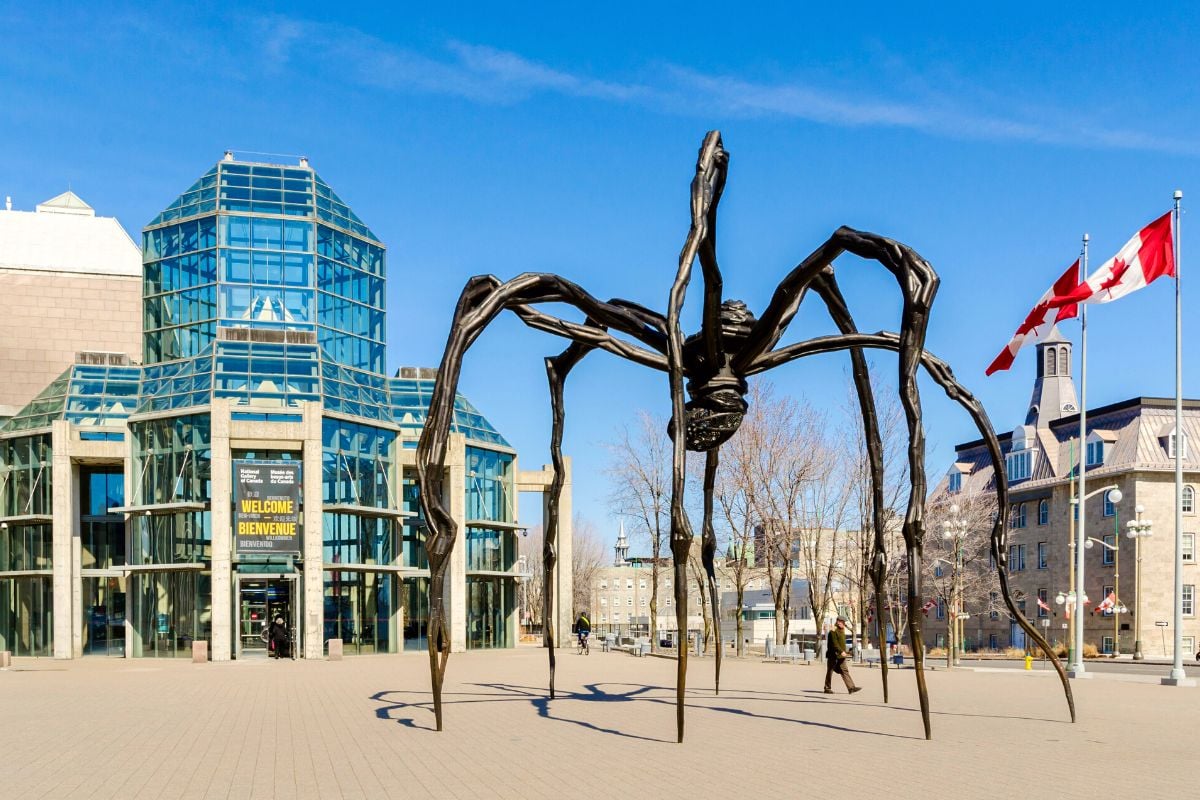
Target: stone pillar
566, 531
222, 533
314, 577
456, 580
133, 493
76, 563
63, 529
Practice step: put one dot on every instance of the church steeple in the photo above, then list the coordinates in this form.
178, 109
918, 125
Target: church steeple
622, 548
1054, 389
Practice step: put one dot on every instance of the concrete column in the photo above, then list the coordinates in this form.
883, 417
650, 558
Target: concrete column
456, 583
566, 532
63, 529
222, 532
133, 493
314, 585
76, 564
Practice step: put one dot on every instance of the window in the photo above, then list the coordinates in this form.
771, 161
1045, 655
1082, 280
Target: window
603, 618
937, 571
1041, 555
1189, 548
1189, 500
604, 601
668, 602
1064, 363
1021, 520
1171, 446
1109, 508
1016, 557
955, 482
993, 642
1107, 644
603, 584
629, 600
993, 597
1051, 362
1108, 558
1188, 599
629, 583
1043, 595
1020, 465
644, 601
1189, 644
1044, 512
1107, 591
1095, 453
642, 584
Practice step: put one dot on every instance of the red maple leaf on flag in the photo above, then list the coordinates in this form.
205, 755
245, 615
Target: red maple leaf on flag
1119, 268
1036, 317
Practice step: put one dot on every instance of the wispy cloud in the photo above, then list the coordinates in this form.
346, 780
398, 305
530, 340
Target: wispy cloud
493, 76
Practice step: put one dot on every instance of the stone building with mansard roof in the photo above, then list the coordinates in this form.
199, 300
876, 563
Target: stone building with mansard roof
1129, 445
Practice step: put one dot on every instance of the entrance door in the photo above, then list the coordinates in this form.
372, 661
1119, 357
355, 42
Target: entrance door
104, 615
262, 599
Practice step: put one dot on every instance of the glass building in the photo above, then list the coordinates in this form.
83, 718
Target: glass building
258, 463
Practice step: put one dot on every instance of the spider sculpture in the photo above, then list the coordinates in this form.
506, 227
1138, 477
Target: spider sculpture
712, 368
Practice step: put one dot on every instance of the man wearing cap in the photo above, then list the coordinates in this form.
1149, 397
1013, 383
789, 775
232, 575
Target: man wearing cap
837, 659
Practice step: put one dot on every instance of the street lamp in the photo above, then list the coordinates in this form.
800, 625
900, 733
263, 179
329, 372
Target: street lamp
954, 529
1138, 529
1118, 607
1075, 665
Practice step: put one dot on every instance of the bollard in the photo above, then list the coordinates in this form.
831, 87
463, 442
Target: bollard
335, 649
1028, 661
199, 651
5, 659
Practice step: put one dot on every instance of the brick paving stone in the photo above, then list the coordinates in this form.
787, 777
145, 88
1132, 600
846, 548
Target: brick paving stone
362, 728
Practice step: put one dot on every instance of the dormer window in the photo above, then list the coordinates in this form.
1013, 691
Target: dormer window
1166, 436
954, 478
1099, 444
1020, 459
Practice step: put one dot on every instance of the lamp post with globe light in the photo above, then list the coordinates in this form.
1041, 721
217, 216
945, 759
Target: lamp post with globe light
1077, 595
1118, 607
1138, 529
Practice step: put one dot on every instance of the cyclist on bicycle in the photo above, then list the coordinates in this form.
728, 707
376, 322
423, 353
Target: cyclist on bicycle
583, 629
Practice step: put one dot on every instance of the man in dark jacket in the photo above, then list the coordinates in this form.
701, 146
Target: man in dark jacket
837, 658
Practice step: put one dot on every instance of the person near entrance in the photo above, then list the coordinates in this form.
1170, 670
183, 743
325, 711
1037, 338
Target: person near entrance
279, 638
837, 658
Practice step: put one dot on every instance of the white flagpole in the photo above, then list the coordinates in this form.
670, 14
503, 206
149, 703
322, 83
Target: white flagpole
1076, 669
1178, 676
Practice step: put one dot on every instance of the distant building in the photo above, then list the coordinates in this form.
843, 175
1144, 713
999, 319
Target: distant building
72, 282
1130, 445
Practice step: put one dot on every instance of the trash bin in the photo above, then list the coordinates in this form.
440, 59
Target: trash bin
809, 654
898, 659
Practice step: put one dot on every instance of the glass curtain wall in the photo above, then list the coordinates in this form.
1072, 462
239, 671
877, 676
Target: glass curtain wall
179, 289
490, 498
415, 594
171, 606
26, 619
360, 603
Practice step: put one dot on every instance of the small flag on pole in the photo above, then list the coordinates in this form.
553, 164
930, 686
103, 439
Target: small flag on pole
1042, 605
929, 604
1106, 604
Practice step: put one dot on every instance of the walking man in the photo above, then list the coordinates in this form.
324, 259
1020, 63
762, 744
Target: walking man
837, 659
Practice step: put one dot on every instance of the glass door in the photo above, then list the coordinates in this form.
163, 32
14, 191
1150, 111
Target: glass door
104, 615
262, 599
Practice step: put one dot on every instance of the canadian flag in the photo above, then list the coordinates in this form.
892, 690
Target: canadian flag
1106, 604
1042, 319
1042, 605
1149, 255
929, 604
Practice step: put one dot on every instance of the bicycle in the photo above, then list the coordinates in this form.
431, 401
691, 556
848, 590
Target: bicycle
583, 646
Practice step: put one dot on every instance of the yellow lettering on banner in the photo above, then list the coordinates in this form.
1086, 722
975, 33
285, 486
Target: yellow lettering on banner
266, 529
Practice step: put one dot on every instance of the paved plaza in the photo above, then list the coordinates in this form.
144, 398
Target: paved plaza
362, 727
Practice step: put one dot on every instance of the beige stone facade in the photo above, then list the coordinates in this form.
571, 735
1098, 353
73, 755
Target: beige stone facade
48, 317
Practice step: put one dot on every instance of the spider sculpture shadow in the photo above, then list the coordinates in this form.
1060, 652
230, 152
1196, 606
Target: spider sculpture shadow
732, 345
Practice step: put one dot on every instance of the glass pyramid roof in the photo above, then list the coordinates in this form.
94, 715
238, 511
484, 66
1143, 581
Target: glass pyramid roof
85, 395
239, 186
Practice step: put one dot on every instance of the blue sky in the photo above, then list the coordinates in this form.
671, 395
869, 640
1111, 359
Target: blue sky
520, 138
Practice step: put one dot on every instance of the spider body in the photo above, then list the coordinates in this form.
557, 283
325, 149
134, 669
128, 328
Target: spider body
712, 367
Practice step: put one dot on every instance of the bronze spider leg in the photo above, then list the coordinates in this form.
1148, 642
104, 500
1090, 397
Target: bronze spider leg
827, 289
557, 369
941, 373
706, 191
918, 283
708, 551
483, 298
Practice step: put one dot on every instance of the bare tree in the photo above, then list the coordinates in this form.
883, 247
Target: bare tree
640, 472
958, 570
530, 547
736, 518
858, 548
587, 559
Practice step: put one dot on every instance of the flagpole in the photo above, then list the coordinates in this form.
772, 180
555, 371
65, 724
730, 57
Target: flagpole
1076, 668
1178, 676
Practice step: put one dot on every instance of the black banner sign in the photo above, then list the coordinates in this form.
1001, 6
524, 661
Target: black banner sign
266, 511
